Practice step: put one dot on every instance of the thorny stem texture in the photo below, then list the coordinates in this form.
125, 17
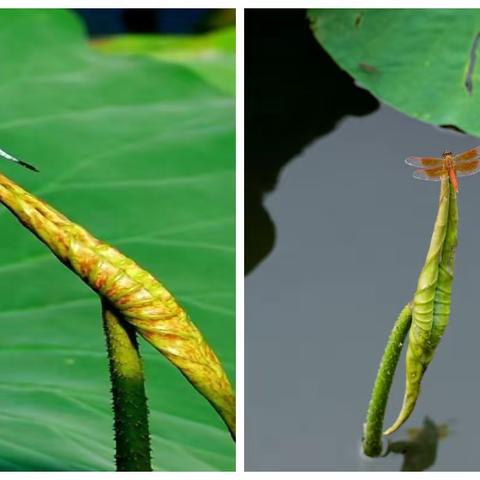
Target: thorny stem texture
130, 409
373, 428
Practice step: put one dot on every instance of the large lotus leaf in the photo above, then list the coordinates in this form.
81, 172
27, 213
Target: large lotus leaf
141, 153
211, 55
422, 62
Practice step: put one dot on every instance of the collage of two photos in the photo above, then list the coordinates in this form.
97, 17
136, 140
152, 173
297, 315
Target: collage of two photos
333, 324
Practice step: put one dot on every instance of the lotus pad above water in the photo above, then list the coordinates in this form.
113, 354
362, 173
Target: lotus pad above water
422, 62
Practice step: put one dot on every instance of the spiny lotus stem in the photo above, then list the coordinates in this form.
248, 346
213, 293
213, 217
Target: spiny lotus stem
135, 295
373, 428
431, 302
132, 437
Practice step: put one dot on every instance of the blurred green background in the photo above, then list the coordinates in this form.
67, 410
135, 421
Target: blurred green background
140, 150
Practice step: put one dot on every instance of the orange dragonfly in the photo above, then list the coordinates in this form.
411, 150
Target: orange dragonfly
453, 166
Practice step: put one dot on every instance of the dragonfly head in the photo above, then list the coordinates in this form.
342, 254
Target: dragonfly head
447, 154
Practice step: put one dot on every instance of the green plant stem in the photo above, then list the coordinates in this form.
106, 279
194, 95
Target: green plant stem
132, 439
373, 430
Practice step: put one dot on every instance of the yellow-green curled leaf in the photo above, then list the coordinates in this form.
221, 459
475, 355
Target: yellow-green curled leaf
431, 302
131, 291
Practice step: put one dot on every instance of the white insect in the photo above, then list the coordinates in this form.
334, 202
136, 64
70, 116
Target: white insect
6, 155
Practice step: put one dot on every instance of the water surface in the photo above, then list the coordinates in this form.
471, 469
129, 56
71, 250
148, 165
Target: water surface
352, 230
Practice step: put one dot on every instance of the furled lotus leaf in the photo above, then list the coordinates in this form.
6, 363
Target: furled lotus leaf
431, 302
135, 294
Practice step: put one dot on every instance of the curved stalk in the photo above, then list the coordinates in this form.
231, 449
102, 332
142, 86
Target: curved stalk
373, 428
132, 438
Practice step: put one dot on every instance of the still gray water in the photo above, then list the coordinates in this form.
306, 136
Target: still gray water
352, 230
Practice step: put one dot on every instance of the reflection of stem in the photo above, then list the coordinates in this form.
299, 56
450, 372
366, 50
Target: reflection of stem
128, 391
372, 440
419, 450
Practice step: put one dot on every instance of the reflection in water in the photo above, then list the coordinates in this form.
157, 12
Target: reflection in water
294, 93
420, 448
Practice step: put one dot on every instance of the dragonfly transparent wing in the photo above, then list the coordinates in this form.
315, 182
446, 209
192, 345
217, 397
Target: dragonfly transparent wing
424, 161
6, 155
468, 156
430, 174
464, 169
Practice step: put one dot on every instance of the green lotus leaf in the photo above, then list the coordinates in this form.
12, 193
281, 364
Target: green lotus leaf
422, 62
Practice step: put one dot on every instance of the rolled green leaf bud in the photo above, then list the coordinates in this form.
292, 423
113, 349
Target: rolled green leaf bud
431, 302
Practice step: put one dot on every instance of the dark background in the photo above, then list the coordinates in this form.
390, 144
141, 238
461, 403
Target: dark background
294, 92
336, 234
102, 22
